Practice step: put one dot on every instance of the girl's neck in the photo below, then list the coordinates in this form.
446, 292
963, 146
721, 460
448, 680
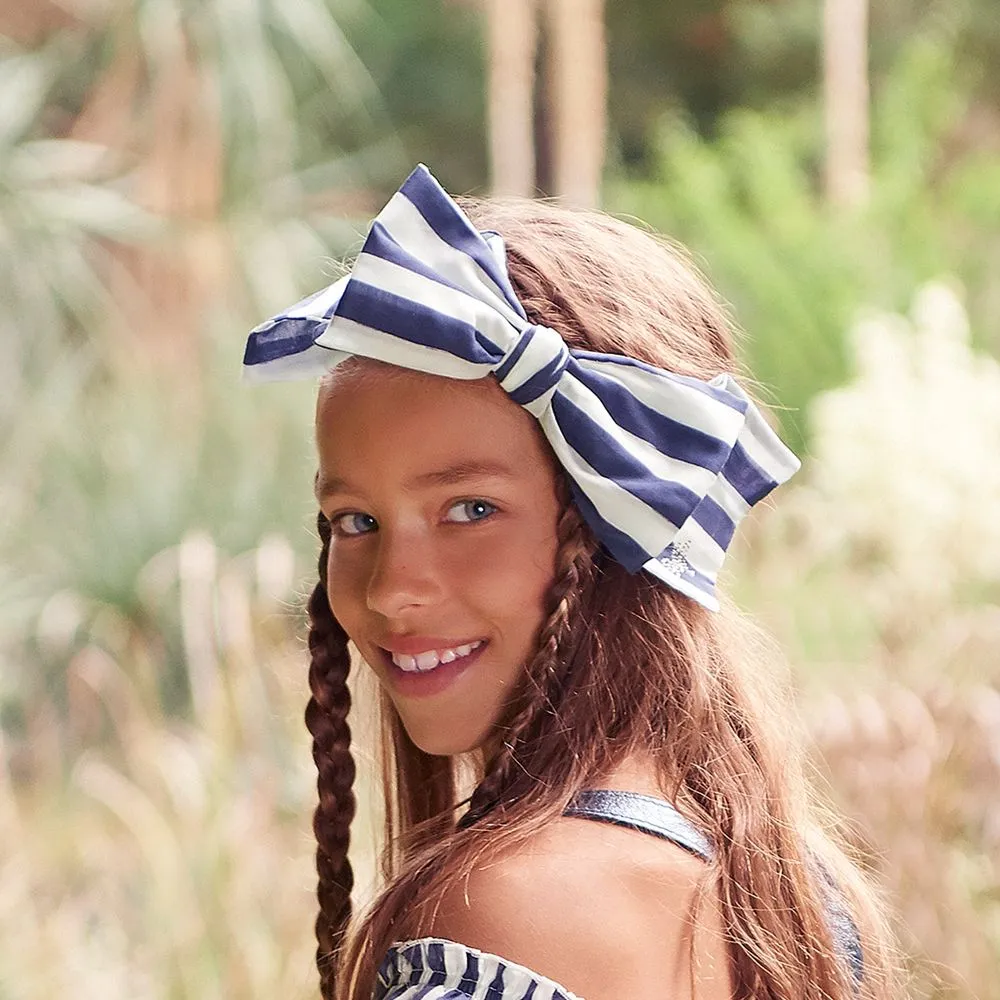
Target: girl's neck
637, 773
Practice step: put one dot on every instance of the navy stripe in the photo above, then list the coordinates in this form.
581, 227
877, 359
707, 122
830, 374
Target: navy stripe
606, 456
722, 395
519, 348
495, 990
749, 479
288, 336
414, 955
668, 436
543, 380
530, 992
387, 971
471, 973
436, 962
381, 310
621, 546
715, 521
451, 224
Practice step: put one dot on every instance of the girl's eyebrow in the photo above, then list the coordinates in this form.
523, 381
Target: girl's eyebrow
449, 476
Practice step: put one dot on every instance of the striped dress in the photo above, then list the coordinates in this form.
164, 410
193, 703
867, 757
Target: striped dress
437, 969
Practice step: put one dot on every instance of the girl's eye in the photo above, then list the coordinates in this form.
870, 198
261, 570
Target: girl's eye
353, 523
466, 511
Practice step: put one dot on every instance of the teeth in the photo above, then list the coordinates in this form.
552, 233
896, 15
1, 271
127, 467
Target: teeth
432, 658
427, 661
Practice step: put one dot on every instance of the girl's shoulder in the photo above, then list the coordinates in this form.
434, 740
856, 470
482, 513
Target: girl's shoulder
602, 909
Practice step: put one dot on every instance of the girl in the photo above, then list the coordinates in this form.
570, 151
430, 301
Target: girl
532, 457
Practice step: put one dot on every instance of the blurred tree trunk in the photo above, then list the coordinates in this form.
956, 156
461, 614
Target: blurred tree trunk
845, 92
161, 290
578, 93
513, 37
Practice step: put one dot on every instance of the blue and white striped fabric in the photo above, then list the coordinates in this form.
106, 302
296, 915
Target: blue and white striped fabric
436, 969
662, 466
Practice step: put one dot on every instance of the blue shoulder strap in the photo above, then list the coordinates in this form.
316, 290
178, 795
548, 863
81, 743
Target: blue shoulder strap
641, 812
661, 819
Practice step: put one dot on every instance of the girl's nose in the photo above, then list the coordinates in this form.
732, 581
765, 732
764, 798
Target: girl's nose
403, 574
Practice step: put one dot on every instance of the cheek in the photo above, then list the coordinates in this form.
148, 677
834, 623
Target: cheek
511, 583
343, 588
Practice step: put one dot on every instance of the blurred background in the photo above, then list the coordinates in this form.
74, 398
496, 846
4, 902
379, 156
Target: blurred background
172, 171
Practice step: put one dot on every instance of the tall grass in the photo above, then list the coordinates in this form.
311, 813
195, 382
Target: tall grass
152, 853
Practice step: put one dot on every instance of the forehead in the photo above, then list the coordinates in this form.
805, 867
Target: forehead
376, 421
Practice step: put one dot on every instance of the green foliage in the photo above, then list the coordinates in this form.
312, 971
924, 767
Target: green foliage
797, 271
429, 60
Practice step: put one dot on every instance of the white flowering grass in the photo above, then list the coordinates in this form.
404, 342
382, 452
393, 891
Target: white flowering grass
902, 486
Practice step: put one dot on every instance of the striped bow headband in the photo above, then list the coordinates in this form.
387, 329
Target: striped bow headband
663, 467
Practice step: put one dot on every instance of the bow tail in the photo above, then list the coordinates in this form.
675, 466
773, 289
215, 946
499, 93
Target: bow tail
758, 463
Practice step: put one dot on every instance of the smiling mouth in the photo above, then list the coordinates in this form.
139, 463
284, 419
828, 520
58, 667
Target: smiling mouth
432, 658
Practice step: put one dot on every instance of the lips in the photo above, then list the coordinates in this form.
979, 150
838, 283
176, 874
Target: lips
422, 666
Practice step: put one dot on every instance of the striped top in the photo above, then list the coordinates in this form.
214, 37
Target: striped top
438, 969
435, 969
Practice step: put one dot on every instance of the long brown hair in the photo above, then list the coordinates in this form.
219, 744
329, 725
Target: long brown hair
687, 688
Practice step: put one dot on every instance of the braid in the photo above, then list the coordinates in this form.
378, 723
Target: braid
326, 720
574, 566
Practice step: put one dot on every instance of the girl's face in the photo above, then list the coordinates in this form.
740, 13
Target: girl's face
441, 496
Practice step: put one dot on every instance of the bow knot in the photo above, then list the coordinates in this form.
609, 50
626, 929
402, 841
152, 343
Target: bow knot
531, 369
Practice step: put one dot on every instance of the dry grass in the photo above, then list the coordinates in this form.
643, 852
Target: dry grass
917, 770
151, 855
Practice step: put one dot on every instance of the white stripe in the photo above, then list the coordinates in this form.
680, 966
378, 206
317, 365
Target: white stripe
346, 335
685, 586
614, 503
729, 499
546, 991
695, 477
408, 994
765, 447
320, 305
673, 398
432, 295
487, 970
454, 961
704, 553
410, 229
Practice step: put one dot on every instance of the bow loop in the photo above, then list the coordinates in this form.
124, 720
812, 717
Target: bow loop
662, 467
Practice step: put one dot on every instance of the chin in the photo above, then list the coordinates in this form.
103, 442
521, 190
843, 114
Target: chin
444, 741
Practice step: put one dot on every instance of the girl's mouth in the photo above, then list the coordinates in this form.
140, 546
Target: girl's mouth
431, 671
432, 658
